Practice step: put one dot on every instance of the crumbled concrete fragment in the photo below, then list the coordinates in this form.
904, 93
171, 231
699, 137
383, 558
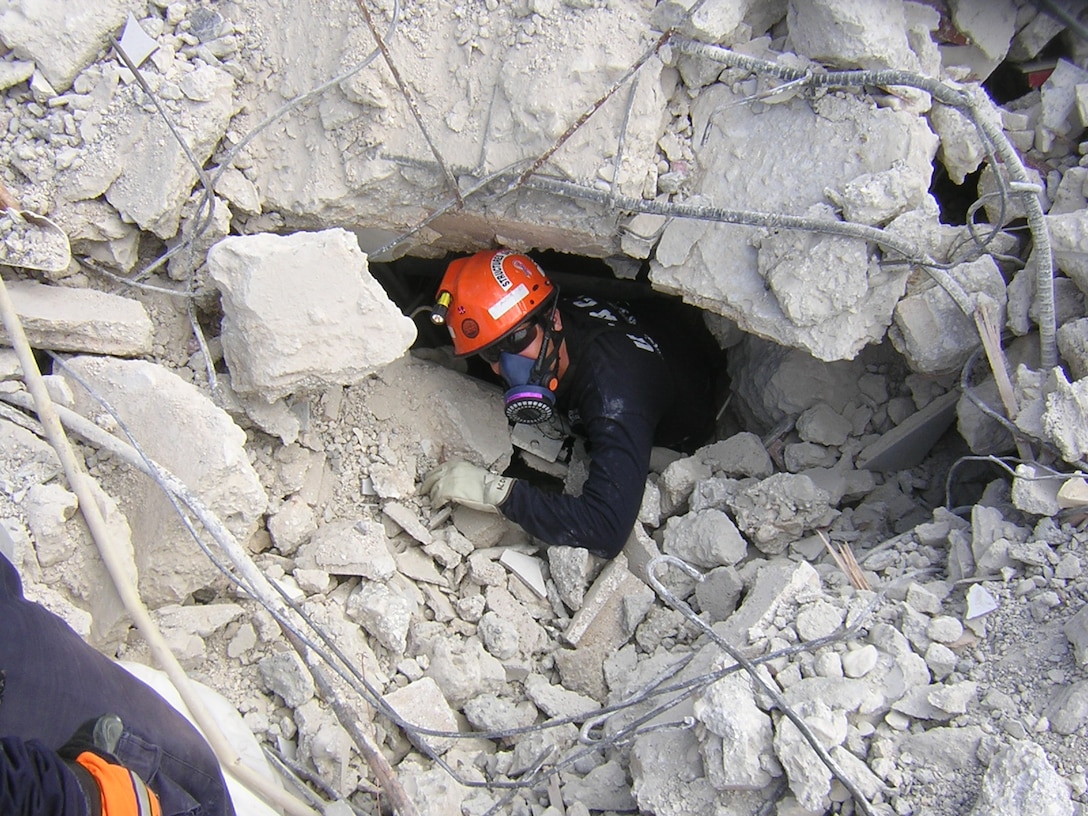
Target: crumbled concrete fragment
780, 509
499, 636
945, 629
205, 450
1066, 416
961, 151
777, 583
291, 525
406, 518
666, 775
941, 660
1019, 779
202, 620
1072, 340
415, 564
1059, 97
571, 570
14, 72
81, 320
489, 712
349, 548
1069, 242
463, 669
875, 198
1068, 711
920, 598
843, 142
931, 331
737, 749
1033, 492
809, 778
422, 703
853, 34
677, 481
742, 454
718, 593
817, 620
336, 330
556, 701
706, 538
823, 425
385, 614
35, 31
1076, 631
859, 662
605, 788
531, 637
285, 674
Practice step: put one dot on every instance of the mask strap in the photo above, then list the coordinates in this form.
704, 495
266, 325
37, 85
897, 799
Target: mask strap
547, 359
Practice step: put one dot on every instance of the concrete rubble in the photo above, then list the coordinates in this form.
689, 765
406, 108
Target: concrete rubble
264, 361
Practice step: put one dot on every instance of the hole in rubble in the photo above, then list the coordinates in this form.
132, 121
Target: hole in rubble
413, 282
953, 199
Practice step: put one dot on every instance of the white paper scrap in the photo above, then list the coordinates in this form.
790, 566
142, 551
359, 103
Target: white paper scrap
979, 602
137, 44
527, 568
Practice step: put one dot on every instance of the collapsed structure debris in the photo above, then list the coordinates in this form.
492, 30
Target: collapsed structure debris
233, 183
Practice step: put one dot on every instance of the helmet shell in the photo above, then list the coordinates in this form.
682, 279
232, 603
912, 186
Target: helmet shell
491, 293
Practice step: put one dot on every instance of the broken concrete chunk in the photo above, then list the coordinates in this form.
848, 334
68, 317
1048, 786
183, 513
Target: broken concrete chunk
843, 142
908, 443
334, 330
31, 30
422, 704
706, 538
930, 329
737, 750
1066, 417
780, 509
285, 674
1076, 631
742, 454
205, 450
463, 669
349, 548
1021, 777
81, 320
556, 701
385, 614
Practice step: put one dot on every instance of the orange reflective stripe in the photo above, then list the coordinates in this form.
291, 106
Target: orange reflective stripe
123, 792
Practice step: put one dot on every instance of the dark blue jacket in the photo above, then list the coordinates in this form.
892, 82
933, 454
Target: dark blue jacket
34, 781
626, 390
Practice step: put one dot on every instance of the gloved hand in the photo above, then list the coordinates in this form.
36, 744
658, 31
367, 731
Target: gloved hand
467, 484
111, 788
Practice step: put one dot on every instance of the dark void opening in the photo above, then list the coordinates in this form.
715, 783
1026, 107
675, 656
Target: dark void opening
695, 361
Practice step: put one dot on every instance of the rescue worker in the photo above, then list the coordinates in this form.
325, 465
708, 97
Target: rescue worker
80, 736
622, 383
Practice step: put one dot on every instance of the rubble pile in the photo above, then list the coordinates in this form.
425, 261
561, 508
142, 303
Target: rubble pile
866, 596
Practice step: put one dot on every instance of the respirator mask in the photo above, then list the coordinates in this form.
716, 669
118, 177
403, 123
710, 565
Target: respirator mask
530, 392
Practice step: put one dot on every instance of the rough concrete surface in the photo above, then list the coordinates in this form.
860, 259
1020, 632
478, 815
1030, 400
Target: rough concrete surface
231, 184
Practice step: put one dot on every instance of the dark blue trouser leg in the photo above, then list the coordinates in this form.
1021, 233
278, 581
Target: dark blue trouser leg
52, 682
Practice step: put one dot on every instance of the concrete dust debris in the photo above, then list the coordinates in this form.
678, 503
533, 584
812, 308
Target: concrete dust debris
243, 206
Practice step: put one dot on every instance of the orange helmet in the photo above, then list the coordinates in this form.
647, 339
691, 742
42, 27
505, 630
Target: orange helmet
485, 296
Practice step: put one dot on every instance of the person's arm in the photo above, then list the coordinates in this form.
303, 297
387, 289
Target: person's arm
601, 518
34, 781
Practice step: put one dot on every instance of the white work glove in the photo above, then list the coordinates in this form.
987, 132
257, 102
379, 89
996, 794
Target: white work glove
467, 484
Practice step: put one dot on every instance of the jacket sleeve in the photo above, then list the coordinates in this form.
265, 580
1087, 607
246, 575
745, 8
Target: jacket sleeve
34, 781
620, 401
